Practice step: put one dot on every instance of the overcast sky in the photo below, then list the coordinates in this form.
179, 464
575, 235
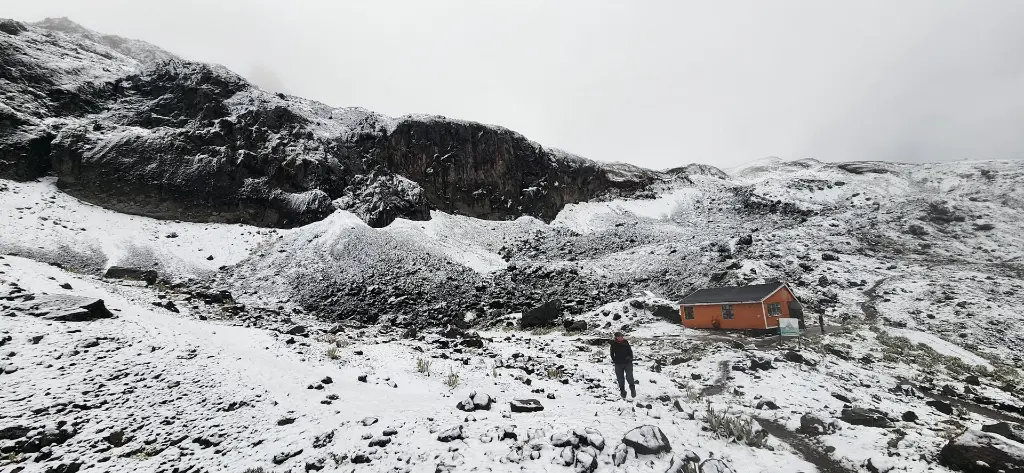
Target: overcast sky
653, 83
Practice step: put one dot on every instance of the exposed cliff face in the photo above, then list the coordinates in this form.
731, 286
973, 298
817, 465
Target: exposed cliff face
494, 173
131, 127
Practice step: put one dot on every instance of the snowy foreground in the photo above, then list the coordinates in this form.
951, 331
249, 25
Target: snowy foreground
180, 380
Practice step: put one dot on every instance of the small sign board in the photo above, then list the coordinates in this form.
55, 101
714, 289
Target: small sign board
789, 327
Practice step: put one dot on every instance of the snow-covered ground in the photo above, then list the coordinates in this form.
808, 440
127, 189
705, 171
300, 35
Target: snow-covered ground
915, 268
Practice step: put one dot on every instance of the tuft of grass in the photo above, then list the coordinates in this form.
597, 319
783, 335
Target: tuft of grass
742, 429
544, 330
332, 353
556, 372
452, 380
258, 469
423, 366
326, 338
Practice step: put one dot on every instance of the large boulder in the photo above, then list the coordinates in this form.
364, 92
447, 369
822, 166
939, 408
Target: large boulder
647, 440
475, 402
66, 308
451, 435
865, 417
543, 315
131, 274
665, 312
813, 426
1013, 432
975, 451
526, 405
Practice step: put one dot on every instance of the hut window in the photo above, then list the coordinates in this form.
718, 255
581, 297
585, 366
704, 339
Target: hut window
688, 313
726, 311
774, 309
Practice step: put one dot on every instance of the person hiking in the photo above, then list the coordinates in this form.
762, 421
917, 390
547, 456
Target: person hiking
622, 358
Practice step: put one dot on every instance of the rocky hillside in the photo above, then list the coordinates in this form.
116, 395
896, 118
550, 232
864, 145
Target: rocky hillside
133, 128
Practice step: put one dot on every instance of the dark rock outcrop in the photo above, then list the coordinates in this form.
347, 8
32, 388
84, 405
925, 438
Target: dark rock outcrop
975, 451
169, 138
543, 315
647, 440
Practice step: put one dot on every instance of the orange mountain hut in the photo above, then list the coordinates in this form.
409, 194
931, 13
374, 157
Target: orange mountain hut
754, 307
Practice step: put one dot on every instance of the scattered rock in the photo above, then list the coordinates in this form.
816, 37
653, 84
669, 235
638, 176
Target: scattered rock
526, 405
975, 451
813, 426
1013, 432
475, 402
543, 315
941, 406
368, 421
865, 417
647, 440
450, 435
284, 456
149, 276
909, 416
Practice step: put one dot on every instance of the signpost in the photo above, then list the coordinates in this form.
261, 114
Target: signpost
788, 327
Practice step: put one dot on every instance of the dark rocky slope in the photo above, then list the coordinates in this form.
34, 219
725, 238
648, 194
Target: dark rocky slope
130, 127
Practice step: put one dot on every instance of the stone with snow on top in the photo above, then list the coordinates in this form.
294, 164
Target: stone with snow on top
66, 308
509, 433
590, 436
865, 417
878, 465
296, 330
586, 460
368, 421
564, 440
621, 454
450, 435
1013, 432
476, 402
812, 426
975, 451
566, 457
766, 404
284, 456
714, 465
685, 463
647, 440
526, 405
380, 442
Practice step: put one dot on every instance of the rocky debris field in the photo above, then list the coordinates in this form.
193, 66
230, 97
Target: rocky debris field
200, 389
360, 317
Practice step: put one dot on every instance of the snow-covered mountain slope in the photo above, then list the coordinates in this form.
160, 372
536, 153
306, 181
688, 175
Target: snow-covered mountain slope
133, 128
921, 286
225, 331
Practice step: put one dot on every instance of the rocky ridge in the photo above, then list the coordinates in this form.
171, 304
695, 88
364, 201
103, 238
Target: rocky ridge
133, 128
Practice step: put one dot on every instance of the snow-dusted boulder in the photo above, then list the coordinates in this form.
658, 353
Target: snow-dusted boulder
647, 440
450, 435
475, 402
526, 405
975, 451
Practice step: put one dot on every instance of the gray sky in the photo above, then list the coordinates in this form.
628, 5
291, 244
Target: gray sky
655, 83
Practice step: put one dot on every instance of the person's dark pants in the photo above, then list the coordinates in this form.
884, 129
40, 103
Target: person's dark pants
624, 373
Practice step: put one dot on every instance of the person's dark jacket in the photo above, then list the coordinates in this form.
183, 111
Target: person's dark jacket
621, 352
